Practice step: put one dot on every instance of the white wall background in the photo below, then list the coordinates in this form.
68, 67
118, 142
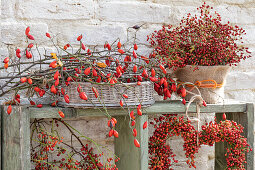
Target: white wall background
105, 20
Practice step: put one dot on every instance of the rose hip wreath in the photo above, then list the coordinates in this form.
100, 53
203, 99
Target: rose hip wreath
169, 125
199, 40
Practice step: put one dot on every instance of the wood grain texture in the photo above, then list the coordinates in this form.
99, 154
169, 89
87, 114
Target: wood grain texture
166, 107
131, 157
250, 135
15, 139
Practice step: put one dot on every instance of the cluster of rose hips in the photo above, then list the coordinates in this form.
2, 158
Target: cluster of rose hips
199, 40
229, 132
50, 151
169, 125
164, 85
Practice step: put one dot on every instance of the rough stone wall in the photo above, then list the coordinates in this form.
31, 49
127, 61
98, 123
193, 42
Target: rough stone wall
105, 20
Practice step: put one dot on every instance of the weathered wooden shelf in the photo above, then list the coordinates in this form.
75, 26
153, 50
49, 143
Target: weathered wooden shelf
15, 131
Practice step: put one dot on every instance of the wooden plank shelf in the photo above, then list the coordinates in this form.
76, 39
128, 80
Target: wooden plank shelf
15, 131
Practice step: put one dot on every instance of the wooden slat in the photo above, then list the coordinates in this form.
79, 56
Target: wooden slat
15, 139
250, 135
220, 148
1, 113
131, 157
166, 107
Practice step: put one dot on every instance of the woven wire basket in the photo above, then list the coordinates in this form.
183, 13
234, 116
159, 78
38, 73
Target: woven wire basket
109, 96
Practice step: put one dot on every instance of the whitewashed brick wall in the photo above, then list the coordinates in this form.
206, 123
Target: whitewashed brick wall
105, 20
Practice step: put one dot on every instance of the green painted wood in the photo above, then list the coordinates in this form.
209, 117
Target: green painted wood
246, 119
220, 149
15, 139
131, 157
51, 112
250, 135
1, 112
160, 107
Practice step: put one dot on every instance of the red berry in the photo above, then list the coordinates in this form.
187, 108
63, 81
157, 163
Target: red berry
9, 109
61, 114
137, 144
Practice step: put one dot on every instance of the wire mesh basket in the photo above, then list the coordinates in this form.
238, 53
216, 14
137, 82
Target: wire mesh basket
109, 96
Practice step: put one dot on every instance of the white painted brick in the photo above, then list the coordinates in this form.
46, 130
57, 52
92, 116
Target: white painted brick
241, 95
178, 2
240, 80
92, 35
181, 11
14, 32
142, 33
236, 15
57, 9
7, 8
134, 12
242, 2
248, 64
249, 38
4, 52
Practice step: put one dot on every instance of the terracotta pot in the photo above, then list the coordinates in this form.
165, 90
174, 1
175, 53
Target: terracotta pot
216, 73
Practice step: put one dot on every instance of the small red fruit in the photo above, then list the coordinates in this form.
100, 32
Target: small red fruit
135, 69
30, 45
134, 54
95, 92
6, 60
37, 89
53, 89
83, 46
224, 117
87, 71
66, 97
121, 103
137, 144
9, 109
145, 125
183, 101
79, 38
30, 37
116, 134
114, 120
111, 132
48, 35
204, 103
133, 123
83, 96
121, 51
39, 106
61, 114
119, 45
6, 65
57, 82
56, 75
30, 81
134, 132
153, 73
135, 47
125, 96
23, 80
27, 31
139, 112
